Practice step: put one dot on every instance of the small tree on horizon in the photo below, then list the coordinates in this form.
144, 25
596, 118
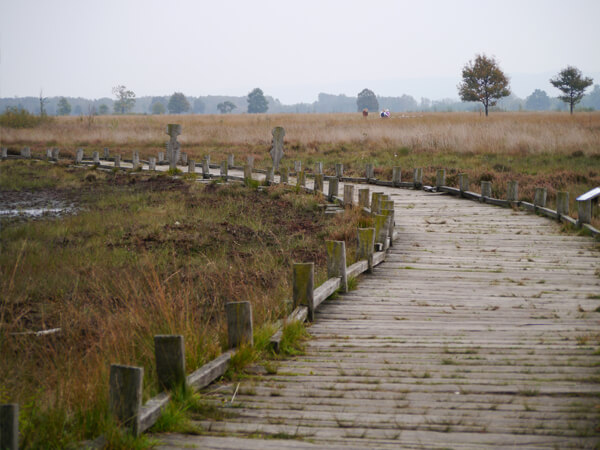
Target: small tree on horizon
63, 107
125, 99
226, 107
158, 108
483, 81
102, 109
366, 99
178, 103
538, 101
571, 82
257, 103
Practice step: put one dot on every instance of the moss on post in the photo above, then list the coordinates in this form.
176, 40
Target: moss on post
339, 170
169, 351
512, 192
333, 188
126, 384
562, 203
486, 189
463, 182
365, 244
336, 262
363, 198
239, 324
348, 195
440, 178
303, 287
396, 175
539, 199
318, 187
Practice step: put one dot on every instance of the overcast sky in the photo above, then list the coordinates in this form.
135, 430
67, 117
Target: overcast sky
291, 49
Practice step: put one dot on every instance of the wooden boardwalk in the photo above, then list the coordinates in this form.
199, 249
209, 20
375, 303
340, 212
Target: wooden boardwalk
480, 330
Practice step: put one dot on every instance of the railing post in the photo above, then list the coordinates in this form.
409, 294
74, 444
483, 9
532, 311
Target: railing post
205, 168
48, 154
239, 324
224, 169
381, 231
184, 158
440, 178
106, 153
512, 192
191, 166
135, 160
584, 211
283, 175
161, 157
78, 156
26, 152
333, 188
169, 352
152, 163
126, 384
96, 158
396, 175
318, 168
369, 172
230, 159
300, 179
348, 195
297, 166
339, 170
336, 262
463, 182
562, 203
363, 198
270, 176
376, 202
486, 190
55, 154
388, 209
9, 426
539, 199
247, 173
303, 287
365, 244
318, 183
250, 161
418, 178
4, 152
118, 161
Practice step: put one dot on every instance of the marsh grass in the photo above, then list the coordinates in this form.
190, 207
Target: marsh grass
145, 255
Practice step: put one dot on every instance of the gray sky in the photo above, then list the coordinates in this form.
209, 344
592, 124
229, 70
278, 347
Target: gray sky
291, 49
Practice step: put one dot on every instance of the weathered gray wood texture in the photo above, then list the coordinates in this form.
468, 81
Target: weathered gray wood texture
479, 330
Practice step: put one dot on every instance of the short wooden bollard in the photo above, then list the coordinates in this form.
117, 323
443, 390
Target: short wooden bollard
191, 166
539, 199
207, 158
9, 427
348, 195
78, 156
26, 152
562, 203
169, 351
247, 173
230, 160
55, 154
440, 178
381, 231
376, 202
106, 152
301, 179
418, 178
205, 168
239, 324
369, 172
318, 167
48, 154
126, 384
224, 169
339, 170
396, 175
318, 187
184, 158
303, 287
270, 176
365, 245
161, 156
463, 182
363, 198
387, 231
96, 158
297, 166
486, 189
4, 153
336, 262
135, 160
584, 211
333, 188
512, 192
250, 161
284, 175
117, 161
151, 163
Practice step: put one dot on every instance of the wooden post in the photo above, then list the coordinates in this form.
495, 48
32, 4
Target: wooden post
486, 189
126, 384
562, 203
270, 176
96, 158
364, 248
207, 157
584, 211
78, 156
348, 195
230, 159
381, 231
247, 173
169, 351
135, 160
333, 187
9, 426
376, 202
55, 154
161, 157
369, 172
48, 154
205, 168
283, 175
300, 179
26, 152
512, 192
250, 160
387, 231
336, 262
117, 161
418, 178
339, 170
184, 158
297, 166
191, 166
539, 199
224, 169
318, 183
388, 205
440, 178
363, 198
239, 324
303, 287
463, 182
151, 163
396, 175
4, 153
106, 153
318, 168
